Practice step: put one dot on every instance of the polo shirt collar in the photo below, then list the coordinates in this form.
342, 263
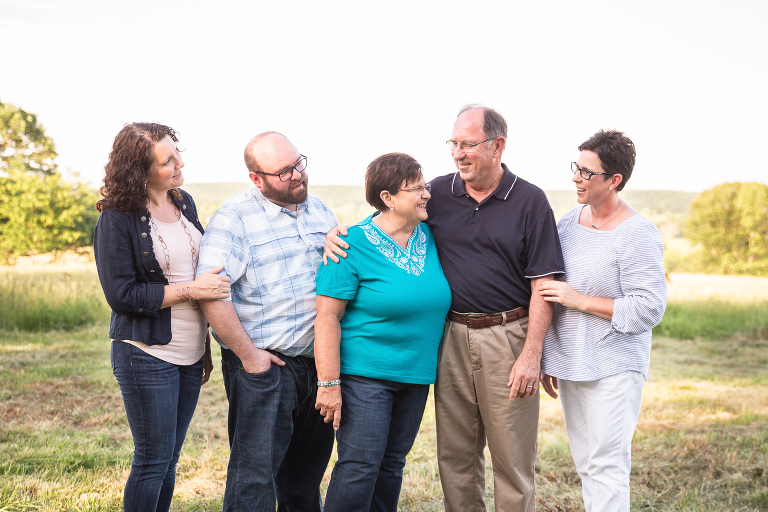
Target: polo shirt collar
458, 187
271, 209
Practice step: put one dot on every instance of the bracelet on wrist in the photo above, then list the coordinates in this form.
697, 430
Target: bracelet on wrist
328, 383
185, 295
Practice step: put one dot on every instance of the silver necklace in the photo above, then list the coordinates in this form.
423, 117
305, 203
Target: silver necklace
609, 218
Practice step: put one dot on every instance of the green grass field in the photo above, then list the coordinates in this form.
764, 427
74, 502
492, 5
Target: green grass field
46, 297
701, 444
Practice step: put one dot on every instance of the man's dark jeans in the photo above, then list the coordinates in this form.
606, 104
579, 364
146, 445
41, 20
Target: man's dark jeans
280, 445
379, 423
160, 399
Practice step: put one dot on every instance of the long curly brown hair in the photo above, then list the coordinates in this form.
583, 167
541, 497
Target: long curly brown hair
128, 168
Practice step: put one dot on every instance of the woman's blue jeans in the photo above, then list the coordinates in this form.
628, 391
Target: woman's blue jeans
160, 399
379, 423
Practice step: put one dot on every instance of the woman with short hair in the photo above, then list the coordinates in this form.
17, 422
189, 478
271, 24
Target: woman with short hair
380, 318
146, 248
598, 347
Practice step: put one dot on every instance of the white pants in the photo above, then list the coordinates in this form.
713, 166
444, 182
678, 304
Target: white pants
600, 417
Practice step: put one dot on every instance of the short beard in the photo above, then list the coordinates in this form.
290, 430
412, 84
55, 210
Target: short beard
287, 196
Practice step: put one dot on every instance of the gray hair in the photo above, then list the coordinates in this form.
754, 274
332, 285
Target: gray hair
494, 124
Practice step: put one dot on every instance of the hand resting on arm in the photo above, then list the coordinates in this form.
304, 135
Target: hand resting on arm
562, 293
209, 286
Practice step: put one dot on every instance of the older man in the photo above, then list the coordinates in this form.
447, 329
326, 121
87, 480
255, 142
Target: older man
497, 239
270, 240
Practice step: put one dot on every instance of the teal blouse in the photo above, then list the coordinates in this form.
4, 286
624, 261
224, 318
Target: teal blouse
397, 302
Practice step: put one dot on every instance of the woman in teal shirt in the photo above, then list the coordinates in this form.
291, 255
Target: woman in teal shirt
380, 317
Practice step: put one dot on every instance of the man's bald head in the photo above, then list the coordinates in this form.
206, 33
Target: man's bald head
258, 148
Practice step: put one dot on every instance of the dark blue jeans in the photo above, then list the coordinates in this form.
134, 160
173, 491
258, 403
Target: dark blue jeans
280, 445
379, 423
160, 399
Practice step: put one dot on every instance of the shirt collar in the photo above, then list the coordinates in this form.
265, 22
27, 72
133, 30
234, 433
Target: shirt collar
273, 210
508, 180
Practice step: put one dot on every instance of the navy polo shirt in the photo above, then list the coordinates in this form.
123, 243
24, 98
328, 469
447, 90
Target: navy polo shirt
491, 250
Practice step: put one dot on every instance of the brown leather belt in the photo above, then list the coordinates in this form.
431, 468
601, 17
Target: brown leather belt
478, 322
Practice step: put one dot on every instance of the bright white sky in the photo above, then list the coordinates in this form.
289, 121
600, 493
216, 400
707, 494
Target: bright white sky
348, 81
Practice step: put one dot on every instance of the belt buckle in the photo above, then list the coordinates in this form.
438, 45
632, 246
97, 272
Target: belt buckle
471, 321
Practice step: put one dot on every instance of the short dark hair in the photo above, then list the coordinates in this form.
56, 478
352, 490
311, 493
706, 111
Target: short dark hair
130, 161
494, 124
388, 173
616, 151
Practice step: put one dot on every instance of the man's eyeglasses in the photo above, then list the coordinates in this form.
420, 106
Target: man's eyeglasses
466, 147
420, 190
287, 173
585, 174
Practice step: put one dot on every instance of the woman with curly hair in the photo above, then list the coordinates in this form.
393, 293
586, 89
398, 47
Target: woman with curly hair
146, 247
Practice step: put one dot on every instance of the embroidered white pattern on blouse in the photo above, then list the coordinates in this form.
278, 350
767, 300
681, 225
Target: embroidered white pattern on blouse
411, 259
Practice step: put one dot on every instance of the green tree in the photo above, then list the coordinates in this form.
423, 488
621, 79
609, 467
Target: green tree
39, 211
23, 142
730, 223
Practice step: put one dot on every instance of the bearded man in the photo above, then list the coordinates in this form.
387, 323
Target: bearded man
270, 241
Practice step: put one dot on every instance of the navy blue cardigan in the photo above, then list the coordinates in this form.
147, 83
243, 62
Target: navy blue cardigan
130, 275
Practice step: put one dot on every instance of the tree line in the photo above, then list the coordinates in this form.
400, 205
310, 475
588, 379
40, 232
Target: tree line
41, 212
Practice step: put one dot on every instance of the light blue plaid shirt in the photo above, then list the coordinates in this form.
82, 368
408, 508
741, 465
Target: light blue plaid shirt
271, 255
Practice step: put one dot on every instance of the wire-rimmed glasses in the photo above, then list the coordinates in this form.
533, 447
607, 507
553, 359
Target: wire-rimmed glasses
420, 189
466, 147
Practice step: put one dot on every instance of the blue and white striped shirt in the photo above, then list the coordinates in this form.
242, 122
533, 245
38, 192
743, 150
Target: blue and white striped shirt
625, 264
271, 255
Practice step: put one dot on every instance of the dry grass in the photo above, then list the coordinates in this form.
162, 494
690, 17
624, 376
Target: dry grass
60, 261
694, 287
701, 444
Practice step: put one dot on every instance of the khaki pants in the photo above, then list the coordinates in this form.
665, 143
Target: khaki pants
471, 405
